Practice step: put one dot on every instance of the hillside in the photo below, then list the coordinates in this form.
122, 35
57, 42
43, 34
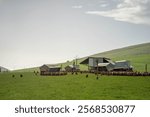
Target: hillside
139, 55
136, 50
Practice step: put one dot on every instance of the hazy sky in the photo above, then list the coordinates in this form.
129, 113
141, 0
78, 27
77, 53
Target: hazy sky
36, 32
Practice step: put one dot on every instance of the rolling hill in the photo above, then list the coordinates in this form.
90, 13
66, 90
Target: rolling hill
139, 55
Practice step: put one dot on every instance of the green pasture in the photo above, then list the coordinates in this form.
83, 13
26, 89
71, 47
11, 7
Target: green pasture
73, 87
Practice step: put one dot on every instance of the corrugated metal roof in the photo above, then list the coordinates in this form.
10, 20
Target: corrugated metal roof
122, 64
103, 64
108, 66
110, 61
85, 61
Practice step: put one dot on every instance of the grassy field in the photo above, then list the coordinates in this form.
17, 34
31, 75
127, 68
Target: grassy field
79, 87
73, 87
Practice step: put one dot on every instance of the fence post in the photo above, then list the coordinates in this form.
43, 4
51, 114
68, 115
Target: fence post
145, 67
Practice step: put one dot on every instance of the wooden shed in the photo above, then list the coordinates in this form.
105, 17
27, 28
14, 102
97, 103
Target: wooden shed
72, 68
45, 69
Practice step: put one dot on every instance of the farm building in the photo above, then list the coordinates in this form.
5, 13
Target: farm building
122, 65
2, 69
49, 69
106, 64
93, 62
72, 68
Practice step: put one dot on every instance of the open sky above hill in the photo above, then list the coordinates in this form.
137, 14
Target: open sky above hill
34, 32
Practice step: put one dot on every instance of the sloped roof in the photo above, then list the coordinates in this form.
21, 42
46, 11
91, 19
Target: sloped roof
71, 66
109, 66
51, 66
125, 64
110, 61
103, 64
86, 60
3, 68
